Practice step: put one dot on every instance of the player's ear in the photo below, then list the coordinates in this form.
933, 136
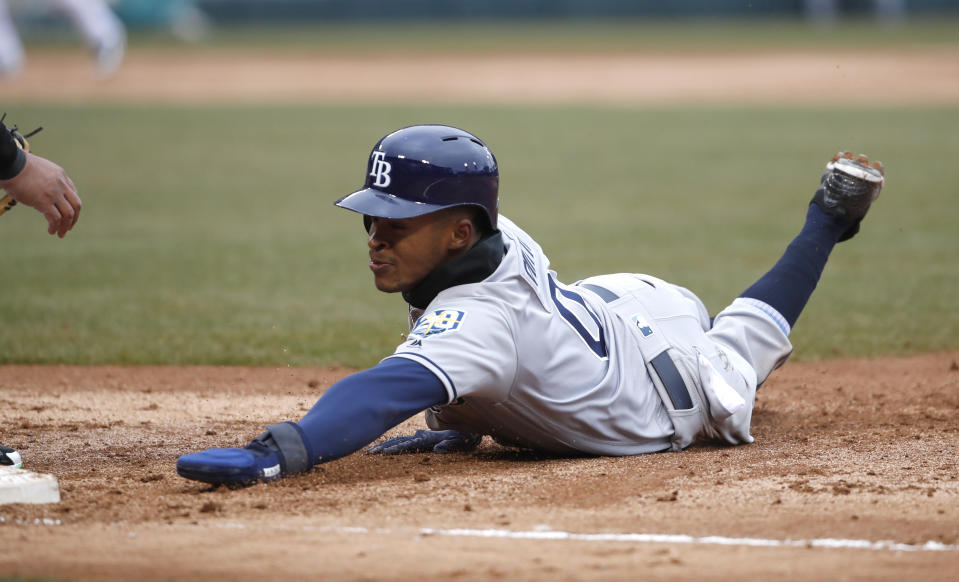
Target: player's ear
462, 233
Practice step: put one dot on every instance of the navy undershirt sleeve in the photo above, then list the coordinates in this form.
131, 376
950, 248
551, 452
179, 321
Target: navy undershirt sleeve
359, 408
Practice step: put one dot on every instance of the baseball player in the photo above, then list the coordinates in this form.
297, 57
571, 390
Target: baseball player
41, 184
616, 364
102, 30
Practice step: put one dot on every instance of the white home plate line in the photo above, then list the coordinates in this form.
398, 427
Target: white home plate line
553, 535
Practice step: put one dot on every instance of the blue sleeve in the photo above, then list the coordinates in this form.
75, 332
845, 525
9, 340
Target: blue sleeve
359, 408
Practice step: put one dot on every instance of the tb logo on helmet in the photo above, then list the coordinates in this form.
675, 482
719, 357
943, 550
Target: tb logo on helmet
380, 169
425, 168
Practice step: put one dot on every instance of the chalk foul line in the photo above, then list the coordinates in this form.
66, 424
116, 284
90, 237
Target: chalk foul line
930, 546
552, 535
544, 533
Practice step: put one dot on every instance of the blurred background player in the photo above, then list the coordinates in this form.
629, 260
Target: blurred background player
96, 22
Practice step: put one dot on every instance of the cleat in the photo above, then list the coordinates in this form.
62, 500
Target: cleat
848, 188
257, 462
10, 458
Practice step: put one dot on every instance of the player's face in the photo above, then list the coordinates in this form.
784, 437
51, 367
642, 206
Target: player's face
404, 251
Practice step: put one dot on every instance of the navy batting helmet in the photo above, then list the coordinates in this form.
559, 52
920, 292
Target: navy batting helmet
424, 168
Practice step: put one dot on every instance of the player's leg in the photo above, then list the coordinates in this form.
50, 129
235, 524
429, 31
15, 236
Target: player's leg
102, 31
759, 321
11, 48
712, 371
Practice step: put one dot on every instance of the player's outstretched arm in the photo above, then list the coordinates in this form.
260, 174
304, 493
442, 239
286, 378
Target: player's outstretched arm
353, 413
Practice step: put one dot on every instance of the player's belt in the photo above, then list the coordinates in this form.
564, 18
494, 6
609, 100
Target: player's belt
663, 364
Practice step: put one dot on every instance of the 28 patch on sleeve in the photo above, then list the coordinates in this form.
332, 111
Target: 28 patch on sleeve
437, 322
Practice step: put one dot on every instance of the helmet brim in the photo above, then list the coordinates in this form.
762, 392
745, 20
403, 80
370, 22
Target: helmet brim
373, 202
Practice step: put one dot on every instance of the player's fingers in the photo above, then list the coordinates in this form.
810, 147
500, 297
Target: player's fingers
419, 442
73, 199
52, 214
449, 446
68, 202
75, 205
67, 215
377, 449
394, 449
459, 443
390, 446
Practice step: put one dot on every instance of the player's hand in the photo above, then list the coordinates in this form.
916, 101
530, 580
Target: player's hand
45, 186
425, 441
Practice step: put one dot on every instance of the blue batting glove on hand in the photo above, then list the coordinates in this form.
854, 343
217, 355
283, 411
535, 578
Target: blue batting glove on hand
425, 441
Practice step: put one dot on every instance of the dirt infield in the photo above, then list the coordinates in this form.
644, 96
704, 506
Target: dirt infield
845, 450
927, 76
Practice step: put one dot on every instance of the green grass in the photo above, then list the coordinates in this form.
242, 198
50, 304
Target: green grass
208, 235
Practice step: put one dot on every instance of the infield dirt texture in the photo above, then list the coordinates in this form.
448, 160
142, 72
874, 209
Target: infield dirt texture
848, 452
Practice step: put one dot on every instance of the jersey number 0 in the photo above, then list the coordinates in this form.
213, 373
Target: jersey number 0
583, 321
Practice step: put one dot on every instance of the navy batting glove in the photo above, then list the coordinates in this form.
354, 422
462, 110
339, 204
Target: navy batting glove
425, 441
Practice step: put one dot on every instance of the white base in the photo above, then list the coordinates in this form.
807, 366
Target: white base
22, 486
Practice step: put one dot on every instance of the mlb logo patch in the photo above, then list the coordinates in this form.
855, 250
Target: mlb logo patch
643, 326
438, 322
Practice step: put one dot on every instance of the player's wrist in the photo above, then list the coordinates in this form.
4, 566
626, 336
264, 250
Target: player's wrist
12, 166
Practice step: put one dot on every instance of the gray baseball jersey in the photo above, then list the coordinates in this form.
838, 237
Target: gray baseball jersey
560, 368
